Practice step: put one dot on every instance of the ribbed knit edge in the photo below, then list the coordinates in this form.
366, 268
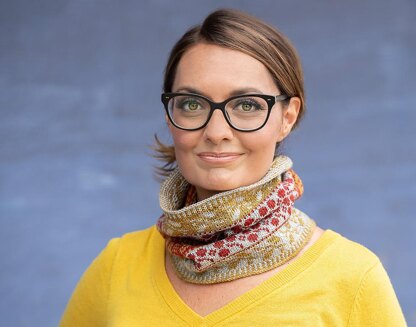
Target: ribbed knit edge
172, 299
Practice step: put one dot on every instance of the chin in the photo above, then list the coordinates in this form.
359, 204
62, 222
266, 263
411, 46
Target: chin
219, 181
212, 180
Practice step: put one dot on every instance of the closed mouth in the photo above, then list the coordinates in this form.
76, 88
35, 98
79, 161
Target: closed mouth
219, 154
219, 157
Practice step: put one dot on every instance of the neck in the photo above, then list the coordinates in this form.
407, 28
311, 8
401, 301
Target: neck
203, 194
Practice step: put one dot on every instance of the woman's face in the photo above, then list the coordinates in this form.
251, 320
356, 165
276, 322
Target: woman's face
217, 157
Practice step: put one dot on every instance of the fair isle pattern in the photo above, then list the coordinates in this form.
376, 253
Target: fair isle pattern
274, 251
266, 233
192, 220
265, 219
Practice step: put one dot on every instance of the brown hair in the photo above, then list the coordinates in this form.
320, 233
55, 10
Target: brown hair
236, 30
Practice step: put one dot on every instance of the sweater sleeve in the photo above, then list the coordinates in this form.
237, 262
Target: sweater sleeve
88, 303
376, 303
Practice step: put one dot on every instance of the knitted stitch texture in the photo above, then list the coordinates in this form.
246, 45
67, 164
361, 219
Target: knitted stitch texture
237, 233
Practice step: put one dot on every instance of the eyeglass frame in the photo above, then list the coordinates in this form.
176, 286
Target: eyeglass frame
271, 100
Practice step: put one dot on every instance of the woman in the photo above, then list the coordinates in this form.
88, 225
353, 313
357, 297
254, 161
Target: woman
230, 248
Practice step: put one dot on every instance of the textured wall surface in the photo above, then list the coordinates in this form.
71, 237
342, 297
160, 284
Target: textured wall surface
79, 102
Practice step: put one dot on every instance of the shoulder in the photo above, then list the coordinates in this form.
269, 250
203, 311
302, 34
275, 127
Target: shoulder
138, 250
360, 279
375, 302
140, 236
346, 260
137, 243
351, 244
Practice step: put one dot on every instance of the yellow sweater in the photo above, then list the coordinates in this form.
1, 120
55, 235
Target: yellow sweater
336, 282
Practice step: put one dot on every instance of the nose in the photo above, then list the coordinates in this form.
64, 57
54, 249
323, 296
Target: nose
217, 129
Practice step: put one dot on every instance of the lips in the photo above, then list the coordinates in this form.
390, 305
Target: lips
219, 154
219, 157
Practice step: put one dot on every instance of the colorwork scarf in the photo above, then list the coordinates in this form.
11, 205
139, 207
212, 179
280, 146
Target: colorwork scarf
237, 233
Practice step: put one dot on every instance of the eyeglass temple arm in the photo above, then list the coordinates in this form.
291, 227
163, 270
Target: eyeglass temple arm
281, 97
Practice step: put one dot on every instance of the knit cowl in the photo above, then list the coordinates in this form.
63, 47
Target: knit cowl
236, 233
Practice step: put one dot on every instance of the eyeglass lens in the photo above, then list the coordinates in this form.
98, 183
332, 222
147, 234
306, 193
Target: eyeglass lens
192, 112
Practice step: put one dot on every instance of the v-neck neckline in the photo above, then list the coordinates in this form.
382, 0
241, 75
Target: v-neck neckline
172, 299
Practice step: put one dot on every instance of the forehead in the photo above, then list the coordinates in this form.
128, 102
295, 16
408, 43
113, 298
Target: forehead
219, 70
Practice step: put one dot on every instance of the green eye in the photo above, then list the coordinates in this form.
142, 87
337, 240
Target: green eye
193, 106
246, 106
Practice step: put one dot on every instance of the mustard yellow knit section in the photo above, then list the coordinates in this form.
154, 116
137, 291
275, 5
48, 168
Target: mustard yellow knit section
336, 282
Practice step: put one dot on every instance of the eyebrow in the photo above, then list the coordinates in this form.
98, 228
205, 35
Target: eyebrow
245, 90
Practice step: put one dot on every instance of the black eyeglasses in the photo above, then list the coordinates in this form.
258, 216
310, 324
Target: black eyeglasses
245, 113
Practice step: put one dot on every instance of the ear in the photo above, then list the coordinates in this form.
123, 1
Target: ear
289, 116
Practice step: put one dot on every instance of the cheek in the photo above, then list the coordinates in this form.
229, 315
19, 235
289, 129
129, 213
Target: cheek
262, 145
182, 140
262, 148
263, 140
184, 143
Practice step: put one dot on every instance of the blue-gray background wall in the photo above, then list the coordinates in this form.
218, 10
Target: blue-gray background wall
79, 101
